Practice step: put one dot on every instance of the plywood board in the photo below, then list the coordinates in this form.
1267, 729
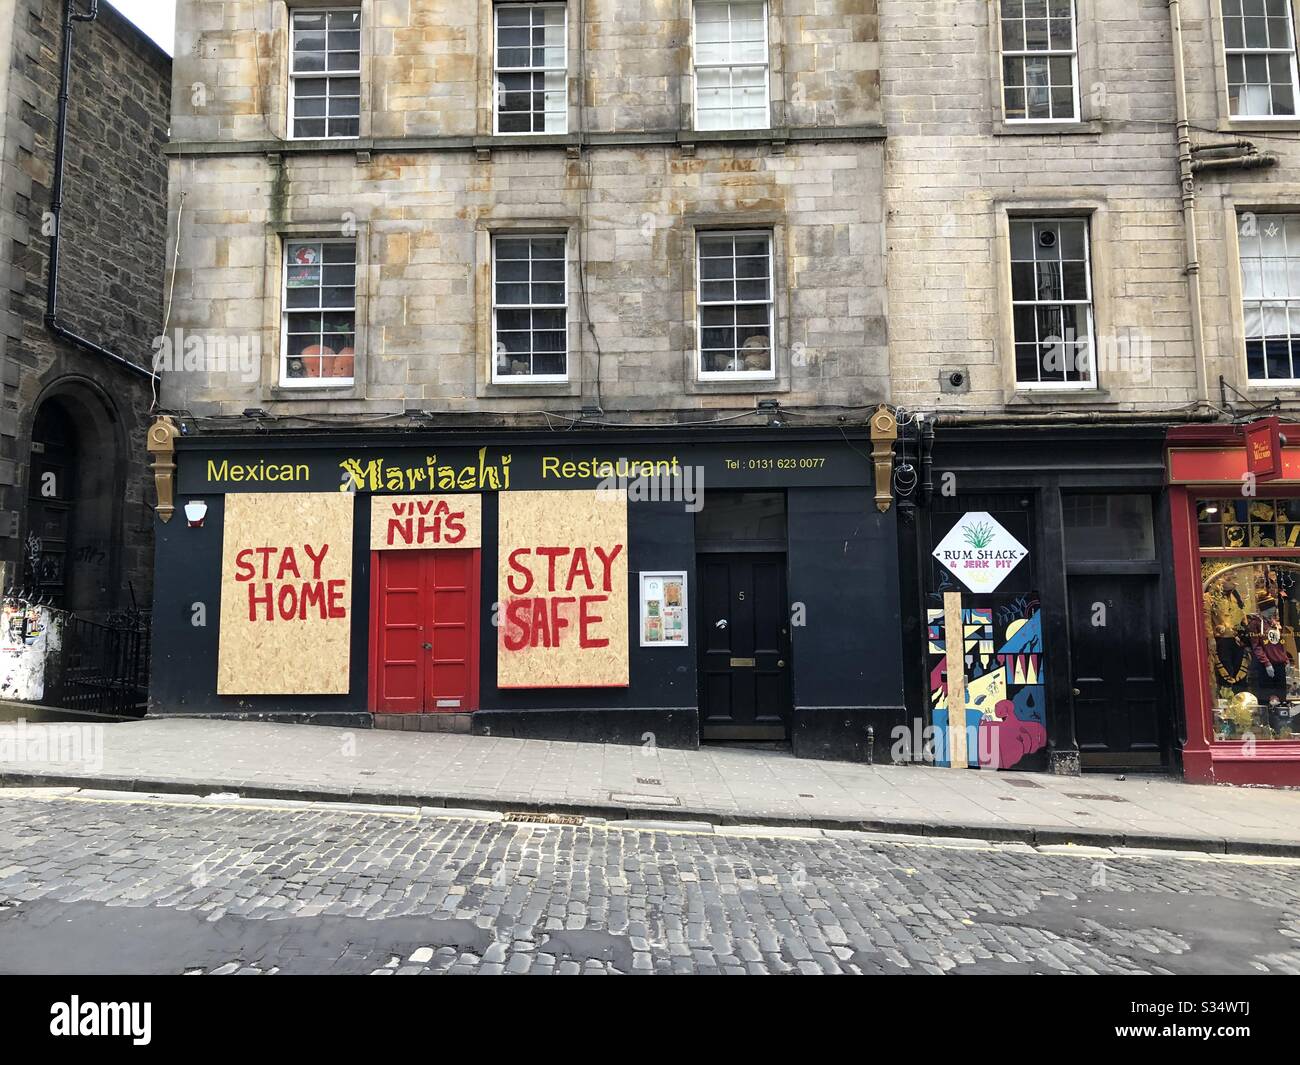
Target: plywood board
424, 523
286, 594
954, 635
562, 585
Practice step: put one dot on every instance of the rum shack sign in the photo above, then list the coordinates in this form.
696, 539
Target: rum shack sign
562, 587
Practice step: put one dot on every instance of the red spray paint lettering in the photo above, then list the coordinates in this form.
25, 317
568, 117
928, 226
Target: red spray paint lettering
423, 522
541, 611
284, 586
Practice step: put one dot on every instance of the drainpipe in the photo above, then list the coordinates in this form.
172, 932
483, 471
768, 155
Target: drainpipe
70, 17
951, 421
1187, 180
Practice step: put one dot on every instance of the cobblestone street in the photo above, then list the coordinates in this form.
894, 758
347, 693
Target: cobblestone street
97, 883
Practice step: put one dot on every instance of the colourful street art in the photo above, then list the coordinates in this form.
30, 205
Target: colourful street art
1005, 716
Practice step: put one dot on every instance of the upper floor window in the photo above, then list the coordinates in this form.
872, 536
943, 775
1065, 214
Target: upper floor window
530, 317
1051, 296
532, 94
735, 304
1259, 42
318, 341
1270, 293
1039, 61
325, 74
731, 64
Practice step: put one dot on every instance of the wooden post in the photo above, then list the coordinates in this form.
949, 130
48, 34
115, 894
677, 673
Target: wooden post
954, 634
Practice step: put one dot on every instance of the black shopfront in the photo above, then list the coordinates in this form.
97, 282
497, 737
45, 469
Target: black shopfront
1069, 663
744, 588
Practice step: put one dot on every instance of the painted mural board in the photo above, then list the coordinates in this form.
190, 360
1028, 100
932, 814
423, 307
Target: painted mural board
286, 595
998, 672
562, 584
980, 552
426, 523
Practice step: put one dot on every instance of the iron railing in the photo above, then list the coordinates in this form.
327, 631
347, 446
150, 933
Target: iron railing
103, 668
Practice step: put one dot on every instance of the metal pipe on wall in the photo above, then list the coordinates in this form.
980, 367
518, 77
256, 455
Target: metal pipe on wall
1187, 181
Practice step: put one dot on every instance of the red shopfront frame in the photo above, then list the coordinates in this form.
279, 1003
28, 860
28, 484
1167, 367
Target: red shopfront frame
1209, 462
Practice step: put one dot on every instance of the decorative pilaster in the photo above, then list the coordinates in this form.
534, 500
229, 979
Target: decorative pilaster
884, 435
162, 446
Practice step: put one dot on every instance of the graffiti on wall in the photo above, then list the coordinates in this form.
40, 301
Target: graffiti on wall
1005, 713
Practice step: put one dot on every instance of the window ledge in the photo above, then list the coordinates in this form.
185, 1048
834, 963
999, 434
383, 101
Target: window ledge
313, 393
1056, 397
748, 386
529, 390
1271, 386
1255, 124
1003, 128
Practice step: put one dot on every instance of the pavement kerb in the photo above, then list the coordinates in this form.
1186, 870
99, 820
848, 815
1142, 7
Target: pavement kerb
1003, 833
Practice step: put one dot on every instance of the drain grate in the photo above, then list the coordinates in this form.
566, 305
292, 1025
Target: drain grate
650, 780
1023, 782
525, 818
1098, 798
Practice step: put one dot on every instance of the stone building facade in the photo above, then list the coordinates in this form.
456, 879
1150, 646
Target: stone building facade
75, 520
915, 285
417, 238
426, 185
1088, 207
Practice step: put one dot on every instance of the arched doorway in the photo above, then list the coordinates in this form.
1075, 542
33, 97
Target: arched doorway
74, 500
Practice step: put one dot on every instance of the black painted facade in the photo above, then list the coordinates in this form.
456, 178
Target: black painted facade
845, 655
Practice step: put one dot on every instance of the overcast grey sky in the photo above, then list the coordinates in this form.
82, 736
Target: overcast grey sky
156, 17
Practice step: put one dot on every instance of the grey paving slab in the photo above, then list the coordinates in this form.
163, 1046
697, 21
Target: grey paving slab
715, 784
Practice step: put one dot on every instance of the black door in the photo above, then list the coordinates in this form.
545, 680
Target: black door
744, 647
50, 506
1120, 685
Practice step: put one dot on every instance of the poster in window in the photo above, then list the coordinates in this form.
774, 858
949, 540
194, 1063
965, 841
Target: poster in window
663, 609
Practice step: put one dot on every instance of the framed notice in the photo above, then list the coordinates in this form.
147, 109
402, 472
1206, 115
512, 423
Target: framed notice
664, 618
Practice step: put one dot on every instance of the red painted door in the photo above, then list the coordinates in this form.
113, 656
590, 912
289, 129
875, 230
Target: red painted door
424, 649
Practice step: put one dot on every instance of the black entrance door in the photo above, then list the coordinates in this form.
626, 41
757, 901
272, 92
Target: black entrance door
1120, 685
744, 647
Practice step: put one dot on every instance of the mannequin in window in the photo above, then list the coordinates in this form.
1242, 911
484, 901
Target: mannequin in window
1272, 659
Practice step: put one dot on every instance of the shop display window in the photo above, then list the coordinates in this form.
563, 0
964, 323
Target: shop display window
1245, 523
1252, 616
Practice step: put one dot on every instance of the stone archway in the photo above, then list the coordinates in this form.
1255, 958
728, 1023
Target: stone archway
75, 488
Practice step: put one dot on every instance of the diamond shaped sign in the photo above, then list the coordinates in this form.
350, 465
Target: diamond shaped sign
980, 553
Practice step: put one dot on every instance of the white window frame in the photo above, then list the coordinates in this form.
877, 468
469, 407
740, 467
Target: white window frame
305, 75
499, 378
1246, 52
1289, 303
735, 375
697, 66
285, 310
1049, 54
498, 70
1091, 383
